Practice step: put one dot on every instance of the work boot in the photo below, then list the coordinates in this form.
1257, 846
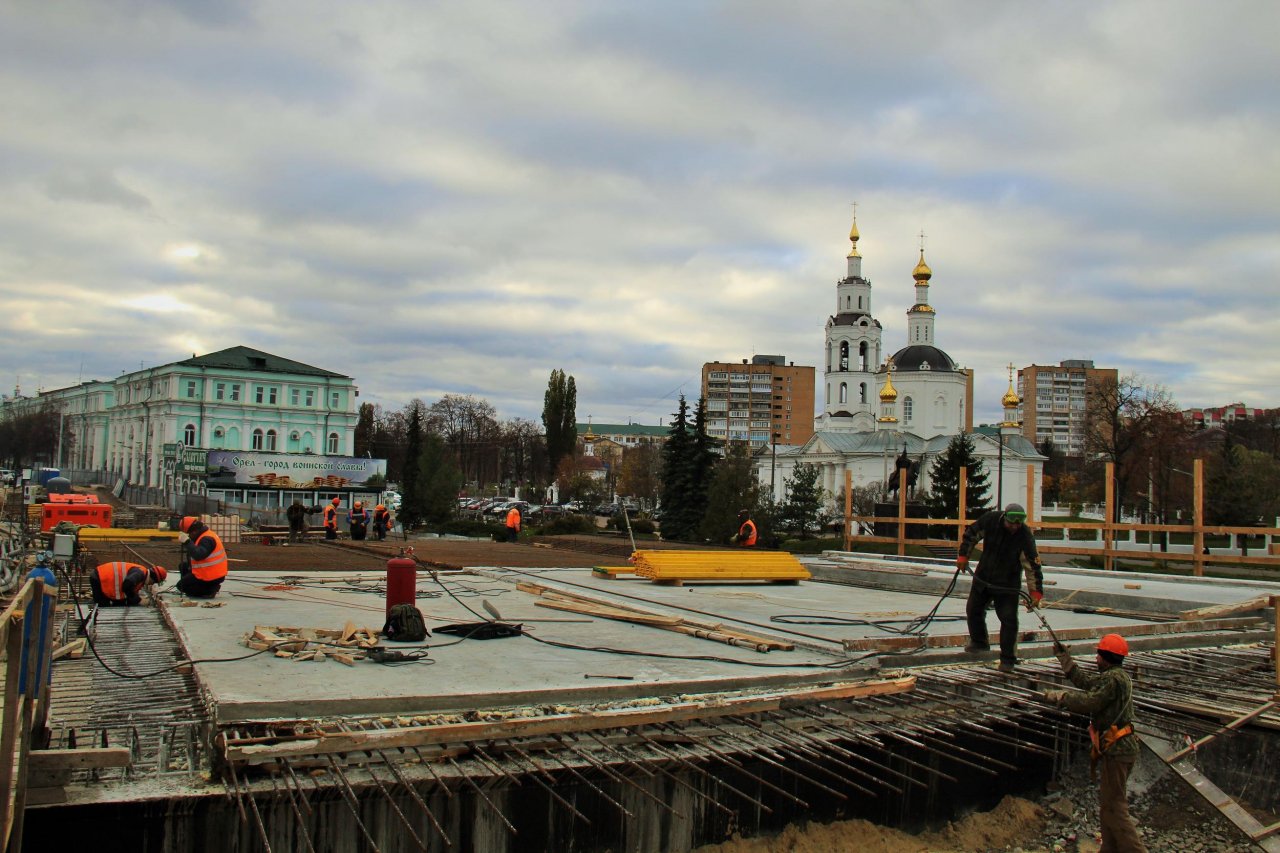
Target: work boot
977, 648
1007, 665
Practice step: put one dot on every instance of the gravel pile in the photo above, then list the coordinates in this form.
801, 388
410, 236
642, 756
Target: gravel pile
1170, 815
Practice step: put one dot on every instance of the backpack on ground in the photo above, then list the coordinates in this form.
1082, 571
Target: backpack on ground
405, 624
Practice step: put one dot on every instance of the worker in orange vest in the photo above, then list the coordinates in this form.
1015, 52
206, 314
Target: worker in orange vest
513, 524
382, 521
747, 533
331, 519
204, 560
358, 520
116, 582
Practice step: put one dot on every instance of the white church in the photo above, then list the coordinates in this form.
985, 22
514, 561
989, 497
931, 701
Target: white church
876, 408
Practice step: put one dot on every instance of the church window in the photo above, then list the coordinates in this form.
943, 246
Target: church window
844, 392
862, 357
906, 410
859, 303
862, 392
844, 356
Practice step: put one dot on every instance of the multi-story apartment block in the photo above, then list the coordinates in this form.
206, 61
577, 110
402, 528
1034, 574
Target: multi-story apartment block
1212, 417
760, 402
1054, 400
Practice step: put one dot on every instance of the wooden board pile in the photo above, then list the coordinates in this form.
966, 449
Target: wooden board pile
676, 567
314, 644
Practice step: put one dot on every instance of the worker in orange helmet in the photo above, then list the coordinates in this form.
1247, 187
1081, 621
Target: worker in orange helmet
747, 533
1107, 697
382, 521
118, 583
358, 520
330, 519
513, 523
204, 560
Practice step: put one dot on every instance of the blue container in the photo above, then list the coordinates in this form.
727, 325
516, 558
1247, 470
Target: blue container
37, 618
47, 474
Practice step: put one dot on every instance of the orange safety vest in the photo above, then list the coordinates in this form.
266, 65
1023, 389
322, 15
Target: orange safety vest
748, 527
513, 518
214, 566
111, 577
330, 516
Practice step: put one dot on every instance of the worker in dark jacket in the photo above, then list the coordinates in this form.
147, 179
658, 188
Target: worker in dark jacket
297, 515
204, 560
1107, 697
381, 521
331, 519
358, 521
116, 582
998, 579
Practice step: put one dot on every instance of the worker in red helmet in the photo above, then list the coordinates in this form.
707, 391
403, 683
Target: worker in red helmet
382, 521
747, 533
1107, 697
118, 583
204, 560
358, 520
331, 519
998, 578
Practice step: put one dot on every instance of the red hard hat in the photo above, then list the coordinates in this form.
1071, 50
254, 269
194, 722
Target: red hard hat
337, 501
187, 521
379, 506
159, 573
1115, 644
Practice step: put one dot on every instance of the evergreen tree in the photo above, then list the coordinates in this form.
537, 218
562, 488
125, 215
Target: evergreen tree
733, 488
802, 511
439, 480
560, 419
413, 509
365, 430
704, 459
681, 516
944, 499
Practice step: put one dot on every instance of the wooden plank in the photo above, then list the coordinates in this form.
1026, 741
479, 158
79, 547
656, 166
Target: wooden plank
79, 759
1260, 602
870, 644
1229, 808
560, 723
1234, 724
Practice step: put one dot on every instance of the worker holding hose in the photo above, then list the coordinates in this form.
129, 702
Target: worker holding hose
998, 578
1107, 697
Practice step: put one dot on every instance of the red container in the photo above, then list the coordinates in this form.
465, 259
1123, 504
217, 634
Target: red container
402, 582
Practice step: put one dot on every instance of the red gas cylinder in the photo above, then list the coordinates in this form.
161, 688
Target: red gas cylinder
402, 582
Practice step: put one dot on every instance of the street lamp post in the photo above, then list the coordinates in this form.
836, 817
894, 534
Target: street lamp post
773, 470
1000, 475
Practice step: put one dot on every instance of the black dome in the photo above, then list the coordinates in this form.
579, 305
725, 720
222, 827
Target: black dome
913, 357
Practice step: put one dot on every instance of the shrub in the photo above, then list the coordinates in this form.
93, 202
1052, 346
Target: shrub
811, 546
463, 527
567, 525
643, 526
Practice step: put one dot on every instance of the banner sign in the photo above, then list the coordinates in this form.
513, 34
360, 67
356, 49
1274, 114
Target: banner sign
292, 470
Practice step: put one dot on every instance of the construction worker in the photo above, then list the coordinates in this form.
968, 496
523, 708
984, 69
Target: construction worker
331, 519
358, 520
382, 521
513, 524
204, 560
1107, 697
998, 579
297, 515
116, 582
747, 533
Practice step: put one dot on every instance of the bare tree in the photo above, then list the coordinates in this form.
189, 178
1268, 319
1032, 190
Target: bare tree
641, 475
1123, 419
470, 429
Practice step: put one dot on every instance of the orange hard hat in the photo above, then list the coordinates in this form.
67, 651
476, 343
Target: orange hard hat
359, 504
337, 501
159, 573
379, 506
187, 521
1115, 644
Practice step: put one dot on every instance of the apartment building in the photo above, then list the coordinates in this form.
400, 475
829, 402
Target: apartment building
761, 401
1054, 400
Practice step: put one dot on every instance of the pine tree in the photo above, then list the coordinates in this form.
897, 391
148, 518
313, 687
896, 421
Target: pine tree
679, 519
412, 502
560, 418
802, 510
944, 499
733, 488
439, 480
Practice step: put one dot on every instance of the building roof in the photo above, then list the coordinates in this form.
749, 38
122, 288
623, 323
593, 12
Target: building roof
247, 358
622, 429
916, 356
854, 318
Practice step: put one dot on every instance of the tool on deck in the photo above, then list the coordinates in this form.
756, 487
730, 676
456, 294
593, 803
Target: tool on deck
1036, 610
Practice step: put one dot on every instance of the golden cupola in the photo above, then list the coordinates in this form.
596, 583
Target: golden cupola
1010, 398
853, 238
922, 271
888, 393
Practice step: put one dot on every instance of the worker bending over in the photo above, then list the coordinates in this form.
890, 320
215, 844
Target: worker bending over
204, 560
358, 520
747, 533
1107, 697
381, 521
116, 582
998, 579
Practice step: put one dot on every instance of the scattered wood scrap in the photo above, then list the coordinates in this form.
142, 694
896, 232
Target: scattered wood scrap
1260, 602
345, 646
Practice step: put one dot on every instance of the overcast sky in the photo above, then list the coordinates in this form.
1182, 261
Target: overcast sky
461, 197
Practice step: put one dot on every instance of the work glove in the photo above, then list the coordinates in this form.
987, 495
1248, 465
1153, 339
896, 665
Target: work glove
1064, 657
962, 563
1037, 598
182, 537
1054, 697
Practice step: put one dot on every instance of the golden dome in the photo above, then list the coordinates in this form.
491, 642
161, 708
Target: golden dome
853, 238
922, 271
888, 393
923, 308
1010, 398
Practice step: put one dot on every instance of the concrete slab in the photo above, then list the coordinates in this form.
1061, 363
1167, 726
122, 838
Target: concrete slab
470, 674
